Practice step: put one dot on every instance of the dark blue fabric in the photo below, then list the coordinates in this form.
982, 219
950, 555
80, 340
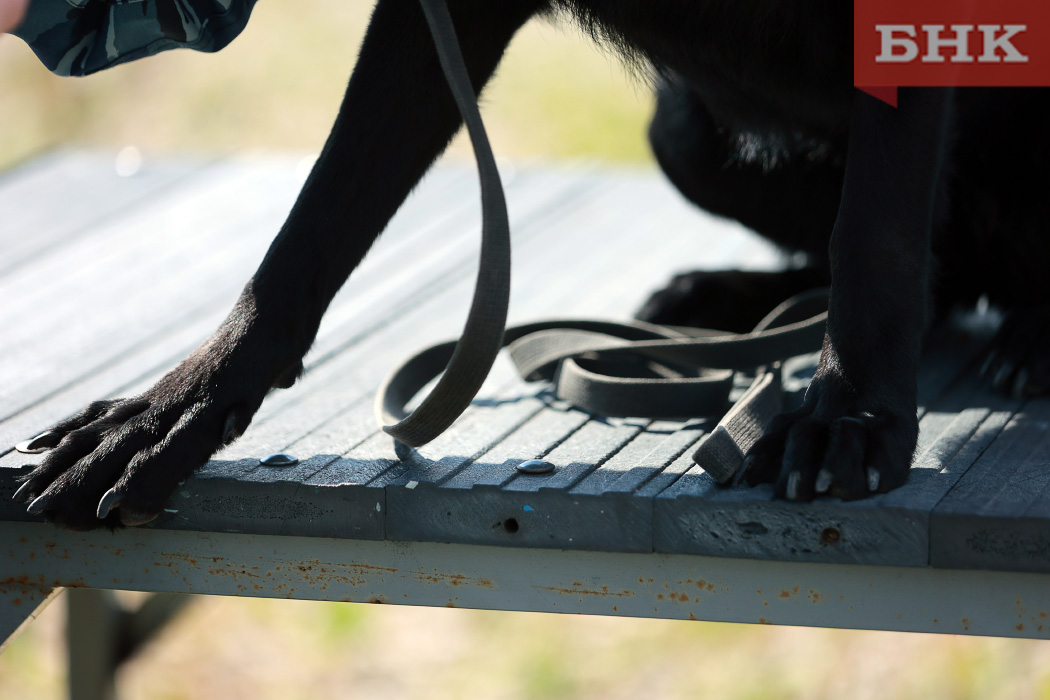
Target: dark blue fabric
80, 37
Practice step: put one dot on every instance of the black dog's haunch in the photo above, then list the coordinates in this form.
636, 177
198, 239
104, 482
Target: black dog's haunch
905, 211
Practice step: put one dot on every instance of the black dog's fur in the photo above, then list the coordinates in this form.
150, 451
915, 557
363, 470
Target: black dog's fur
757, 119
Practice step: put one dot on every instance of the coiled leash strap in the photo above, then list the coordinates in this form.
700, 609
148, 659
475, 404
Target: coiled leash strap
482, 336
607, 368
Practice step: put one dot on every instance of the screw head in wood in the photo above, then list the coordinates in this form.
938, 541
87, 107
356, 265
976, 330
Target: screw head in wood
535, 466
279, 459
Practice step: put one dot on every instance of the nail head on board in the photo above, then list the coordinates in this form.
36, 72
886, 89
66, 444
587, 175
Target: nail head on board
535, 466
279, 459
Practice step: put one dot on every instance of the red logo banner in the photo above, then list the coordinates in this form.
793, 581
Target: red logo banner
949, 42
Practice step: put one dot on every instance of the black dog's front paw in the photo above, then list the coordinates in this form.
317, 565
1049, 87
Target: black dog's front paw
825, 447
1019, 361
117, 462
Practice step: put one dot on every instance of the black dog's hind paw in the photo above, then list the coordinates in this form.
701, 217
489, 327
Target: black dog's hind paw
1019, 361
730, 300
824, 448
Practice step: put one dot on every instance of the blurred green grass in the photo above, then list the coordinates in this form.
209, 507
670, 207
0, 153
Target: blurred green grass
286, 650
556, 96
279, 84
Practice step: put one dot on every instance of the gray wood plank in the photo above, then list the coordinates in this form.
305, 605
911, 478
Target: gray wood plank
476, 503
63, 194
696, 516
139, 296
586, 244
998, 514
335, 380
372, 464
57, 369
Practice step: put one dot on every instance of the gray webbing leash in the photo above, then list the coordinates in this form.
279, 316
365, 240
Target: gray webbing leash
607, 368
482, 335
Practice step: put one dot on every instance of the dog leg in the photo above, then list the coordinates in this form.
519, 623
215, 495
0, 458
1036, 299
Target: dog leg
856, 431
118, 461
1019, 362
793, 204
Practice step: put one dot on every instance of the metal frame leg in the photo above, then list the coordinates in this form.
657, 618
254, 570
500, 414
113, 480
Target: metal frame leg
19, 605
101, 635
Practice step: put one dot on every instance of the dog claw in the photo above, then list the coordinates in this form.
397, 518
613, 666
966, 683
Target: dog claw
41, 443
39, 504
1003, 374
823, 481
794, 478
110, 500
873, 478
229, 430
1019, 385
23, 492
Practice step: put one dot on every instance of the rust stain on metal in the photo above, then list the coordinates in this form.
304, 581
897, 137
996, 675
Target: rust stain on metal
377, 600
22, 580
764, 621
1020, 627
785, 593
966, 623
587, 591
693, 617
454, 579
702, 584
816, 596
372, 567
219, 571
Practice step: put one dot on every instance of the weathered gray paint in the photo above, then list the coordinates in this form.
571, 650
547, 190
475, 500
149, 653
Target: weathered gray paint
682, 587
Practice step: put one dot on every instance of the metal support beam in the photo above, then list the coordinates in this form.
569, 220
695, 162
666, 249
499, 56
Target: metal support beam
140, 625
93, 633
20, 603
503, 578
101, 635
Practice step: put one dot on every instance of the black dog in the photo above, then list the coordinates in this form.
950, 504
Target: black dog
757, 119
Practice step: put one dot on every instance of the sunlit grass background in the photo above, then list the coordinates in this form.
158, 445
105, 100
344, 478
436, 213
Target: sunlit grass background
556, 97
279, 85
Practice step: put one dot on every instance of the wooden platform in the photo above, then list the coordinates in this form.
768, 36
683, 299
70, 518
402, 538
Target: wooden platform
107, 281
